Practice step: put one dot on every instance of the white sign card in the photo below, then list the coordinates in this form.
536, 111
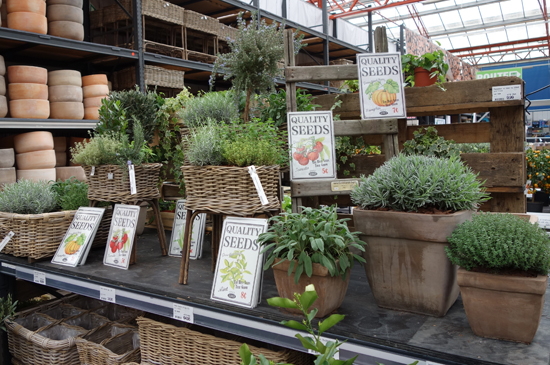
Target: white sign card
505, 93
238, 275
74, 247
311, 142
121, 236
381, 86
178, 232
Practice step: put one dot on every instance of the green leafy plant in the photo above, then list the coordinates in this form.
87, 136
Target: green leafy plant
28, 197
433, 62
350, 85
212, 107
7, 310
273, 106
500, 242
112, 117
538, 169
286, 205
474, 147
234, 270
426, 142
71, 193
97, 150
312, 236
347, 147
411, 183
205, 145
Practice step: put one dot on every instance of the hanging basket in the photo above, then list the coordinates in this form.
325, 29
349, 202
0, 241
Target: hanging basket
230, 190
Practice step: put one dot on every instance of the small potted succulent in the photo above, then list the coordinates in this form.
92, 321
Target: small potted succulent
407, 209
425, 70
312, 247
504, 261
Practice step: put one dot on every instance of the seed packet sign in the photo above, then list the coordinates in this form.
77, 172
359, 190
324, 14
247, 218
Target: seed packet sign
178, 232
238, 275
381, 86
311, 141
121, 236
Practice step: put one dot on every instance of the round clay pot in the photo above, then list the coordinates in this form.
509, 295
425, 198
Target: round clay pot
61, 93
91, 113
66, 172
67, 110
60, 144
37, 175
422, 77
28, 6
30, 108
7, 157
95, 90
7, 175
99, 79
35, 160
65, 13
2, 85
60, 158
27, 74
3, 106
77, 3
2, 66
28, 22
28, 91
66, 29
64, 77
33, 141
94, 102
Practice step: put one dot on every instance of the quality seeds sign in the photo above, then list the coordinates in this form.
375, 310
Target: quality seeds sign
121, 236
381, 86
311, 141
178, 232
238, 275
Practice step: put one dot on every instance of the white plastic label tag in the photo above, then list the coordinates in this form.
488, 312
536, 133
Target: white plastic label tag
110, 176
505, 93
107, 294
39, 277
8, 266
132, 174
6, 240
183, 313
93, 171
258, 184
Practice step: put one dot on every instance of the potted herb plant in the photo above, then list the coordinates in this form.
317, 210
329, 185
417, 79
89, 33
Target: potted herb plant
407, 209
311, 247
425, 70
503, 275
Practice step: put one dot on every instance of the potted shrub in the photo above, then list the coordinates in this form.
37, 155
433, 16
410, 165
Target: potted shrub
425, 70
407, 209
503, 275
311, 247
538, 172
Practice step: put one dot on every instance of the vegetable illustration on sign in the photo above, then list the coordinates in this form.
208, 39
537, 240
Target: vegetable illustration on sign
310, 149
119, 241
74, 242
234, 270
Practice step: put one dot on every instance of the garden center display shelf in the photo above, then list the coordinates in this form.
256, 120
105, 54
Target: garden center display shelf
386, 336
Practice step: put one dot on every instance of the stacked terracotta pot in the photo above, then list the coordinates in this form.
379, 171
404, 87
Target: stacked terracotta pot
66, 19
7, 171
3, 100
27, 15
35, 156
64, 172
65, 94
94, 88
3, 15
28, 91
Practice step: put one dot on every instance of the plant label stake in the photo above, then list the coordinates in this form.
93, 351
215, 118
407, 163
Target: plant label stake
6, 240
381, 92
258, 184
132, 174
92, 173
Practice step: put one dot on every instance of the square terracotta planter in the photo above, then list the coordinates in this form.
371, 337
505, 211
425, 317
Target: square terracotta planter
503, 307
407, 267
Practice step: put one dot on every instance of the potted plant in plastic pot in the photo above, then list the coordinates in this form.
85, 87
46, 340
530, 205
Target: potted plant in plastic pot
504, 262
407, 209
425, 70
311, 247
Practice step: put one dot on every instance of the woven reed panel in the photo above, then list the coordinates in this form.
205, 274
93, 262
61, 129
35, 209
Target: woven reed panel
201, 22
163, 10
115, 350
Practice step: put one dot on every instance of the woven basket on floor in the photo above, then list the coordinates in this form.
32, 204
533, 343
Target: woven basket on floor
230, 190
117, 189
111, 351
163, 10
170, 345
36, 235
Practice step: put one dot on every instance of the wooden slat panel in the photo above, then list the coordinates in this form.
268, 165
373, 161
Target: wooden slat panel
321, 73
498, 169
506, 203
507, 129
360, 127
480, 107
316, 187
460, 132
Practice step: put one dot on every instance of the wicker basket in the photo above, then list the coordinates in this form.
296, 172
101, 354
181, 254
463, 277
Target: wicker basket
230, 190
36, 235
201, 22
170, 345
163, 10
113, 13
227, 33
116, 350
153, 75
117, 189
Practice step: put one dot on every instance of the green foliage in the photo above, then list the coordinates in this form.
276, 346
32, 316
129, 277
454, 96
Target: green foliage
347, 147
7, 310
474, 147
500, 242
112, 117
71, 194
286, 205
273, 106
429, 61
391, 86
538, 169
373, 86
92, 154
235, 269
350, 85
213, 106
28, 197
205, 145
426, 142
312, 236
409, 183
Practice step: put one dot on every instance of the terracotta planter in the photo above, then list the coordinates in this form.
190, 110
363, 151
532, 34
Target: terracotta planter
7, 175
30, 108
3, 106
407, 267
33, 141
501, 306
67, 110
2, 85
2, 66
64, 77
65, 13
28, 91
331, 290
94, 102
97, 79
66, 172
7, 157
422, 77
35, 160
92, 91
28, 22
29, 6
77, 3
27, 74
66, 29
36, 175
91, 113
65, 93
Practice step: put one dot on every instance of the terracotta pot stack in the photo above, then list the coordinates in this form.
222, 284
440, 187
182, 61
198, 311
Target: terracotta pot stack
66, 19
95, 88
3, 15
65, 94
27, 15
35, 156
28, 92
64, 172
3, 100
7, 171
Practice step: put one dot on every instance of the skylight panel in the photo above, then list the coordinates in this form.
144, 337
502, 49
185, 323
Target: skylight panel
470, 16
518, 33
536, 30
497, 37
478, 40
460, 41
490, 12
433, 23
451, 19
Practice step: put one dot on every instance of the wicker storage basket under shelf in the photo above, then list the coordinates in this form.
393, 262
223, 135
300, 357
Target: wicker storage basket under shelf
163, 10
117, 189
116, 350
170, 345
153, 75
201, 22
230, 190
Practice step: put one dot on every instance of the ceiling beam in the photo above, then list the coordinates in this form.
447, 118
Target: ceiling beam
506, 50
458, 50
355, 13
497, 24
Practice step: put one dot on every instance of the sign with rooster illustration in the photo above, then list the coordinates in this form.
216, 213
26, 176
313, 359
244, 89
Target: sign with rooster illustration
381, 86
311, 142
121, 236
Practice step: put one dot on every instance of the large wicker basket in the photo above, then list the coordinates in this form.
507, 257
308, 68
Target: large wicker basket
163, 10
153, 75
116, 350
201, 22
230, 190
227, 33
114, 13
170, 345
117, 189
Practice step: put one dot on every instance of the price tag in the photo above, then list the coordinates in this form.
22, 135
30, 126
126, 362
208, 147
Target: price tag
132, 174
343, 186
183, 313
6, 240
505, 93
324, 340
107, 294
109, 176
39, 277
258, 184
8, 266
93, 171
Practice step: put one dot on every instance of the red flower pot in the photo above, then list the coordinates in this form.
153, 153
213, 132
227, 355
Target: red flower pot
422, 77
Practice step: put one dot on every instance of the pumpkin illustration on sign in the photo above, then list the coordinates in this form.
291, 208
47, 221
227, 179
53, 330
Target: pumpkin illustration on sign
310, 149
385, 96
74, 242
